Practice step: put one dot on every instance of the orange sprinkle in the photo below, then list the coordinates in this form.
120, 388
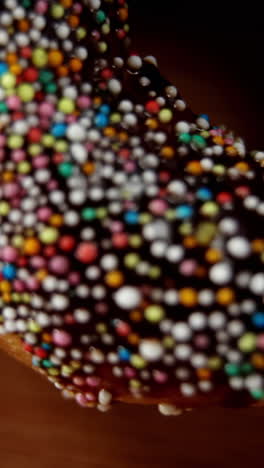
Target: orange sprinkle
31, 246
213, 255
16, 69
114, 279
46, 337
218, 140
23, 25
204, 374
88, 168
11, 58
62, 70
135, 316
123, 14
188, 297
75, 65
133, 339
56, 220
257, 360
7, 297
258, 245
200, 272
123, 136
225, 296
167, 152
73, 21
194, 167
5, 286
231, 151
97, 101
55, 58
42, 274
109, 131
152, 123
66, 3
189, 242
242, 166
7, 176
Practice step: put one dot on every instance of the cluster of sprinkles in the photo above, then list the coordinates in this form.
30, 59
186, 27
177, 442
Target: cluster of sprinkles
131, 229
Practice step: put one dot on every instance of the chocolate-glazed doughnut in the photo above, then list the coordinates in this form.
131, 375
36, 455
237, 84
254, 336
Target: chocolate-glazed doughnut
131, 236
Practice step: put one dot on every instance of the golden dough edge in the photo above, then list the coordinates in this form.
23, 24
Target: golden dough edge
11, 344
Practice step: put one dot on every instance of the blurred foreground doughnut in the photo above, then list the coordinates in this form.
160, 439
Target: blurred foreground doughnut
131, 229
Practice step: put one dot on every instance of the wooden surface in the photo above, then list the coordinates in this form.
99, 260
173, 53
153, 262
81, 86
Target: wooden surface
38, 429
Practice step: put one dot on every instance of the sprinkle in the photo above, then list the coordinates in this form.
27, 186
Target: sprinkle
130, 230
169, 410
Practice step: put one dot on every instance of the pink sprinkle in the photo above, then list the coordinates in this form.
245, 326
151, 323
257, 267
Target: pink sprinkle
130, 166
41, 6
71, 118
116, 226
59, 265
9, 254
13, 102
81, 400
18, 155
158, 206
201, 341
10, 190
89, 146
61, 338
77, 380
46, 109
52, 185
83, 102
32, 284
159, 376
90, 397
260, 341
18, 285
129, 372
188, 267
40, 161
74, 277
37, 262
93, 381
44, 213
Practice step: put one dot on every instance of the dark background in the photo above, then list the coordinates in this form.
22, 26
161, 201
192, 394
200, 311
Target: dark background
214, 55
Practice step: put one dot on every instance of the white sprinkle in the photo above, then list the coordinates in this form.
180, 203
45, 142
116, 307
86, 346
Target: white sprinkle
169, 410
151, 350
238, 247
127, 297
104, 397
181, 331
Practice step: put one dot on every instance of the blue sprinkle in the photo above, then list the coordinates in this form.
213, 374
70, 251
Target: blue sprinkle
36, 361
105, 109
204, 193
9, 271
124, 354
3, 68
184, 212
58, 130
101, 120
46, 346
258, 319
204, 116
131, 217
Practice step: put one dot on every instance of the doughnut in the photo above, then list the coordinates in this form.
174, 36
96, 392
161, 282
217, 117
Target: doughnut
131, 228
